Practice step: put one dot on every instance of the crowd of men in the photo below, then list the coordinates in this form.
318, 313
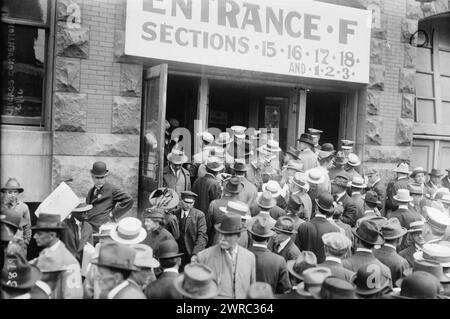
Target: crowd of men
240, 221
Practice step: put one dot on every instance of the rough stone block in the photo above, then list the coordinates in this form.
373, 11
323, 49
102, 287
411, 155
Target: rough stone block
407, 81
408, 28
68, 10
72, 42
374, 127
408, 102
404, 132
91, 144
67, 74
69, 112
410, 57
413, 10
126, 115
388, 154
130, 79
377, 50
373, 102
376, 77
441, 6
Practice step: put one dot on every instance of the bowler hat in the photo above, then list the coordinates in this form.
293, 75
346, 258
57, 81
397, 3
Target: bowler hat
417, 170
48, 222
325, 202
372, 197
307, 138
392, 229
177, 156
353, 160
358, 182
12, 184
260, 290
82, 206
336, 288
402, 168
129, 230
116, 255
261, 228
214, 164
301, 181
197, 282
313, 279
231, 224
369, 232
369, 280
403, 196
233, 185
18, 273
437, 172
10, 217
306, 259
265, 200
99, 169
236, 207
239, 166
224, 138
164, 197
340, 158
429, 266
285, 224
315, 176
168, 249
419, 285
144, 256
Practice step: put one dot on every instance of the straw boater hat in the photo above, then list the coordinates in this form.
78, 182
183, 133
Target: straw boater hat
177, 156
402, 168
353, 160
239, 131
313, 279
358, 182
99, 169
315, 176
224, 138
12, 184
273, 187
437, 219
238, 208
434, 252
105, 230
197, 282
129, 231
301, 181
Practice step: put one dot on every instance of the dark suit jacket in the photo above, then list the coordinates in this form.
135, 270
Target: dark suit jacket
405, 216
289, 252
408, 254
396, 263
248, 193
309, 236
391, 190
338, 270
359, 204
380, 189
73, 242
271, 268
214, 216
163, 287
208, 189
130, 291
170, 180
109, 199
155, 237
194, 232
350, 214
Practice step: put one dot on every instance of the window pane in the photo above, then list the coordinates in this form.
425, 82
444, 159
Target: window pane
424, 59
34, 10
23, 69
424, 85
444, 61
446, 112
445, 87
425, 111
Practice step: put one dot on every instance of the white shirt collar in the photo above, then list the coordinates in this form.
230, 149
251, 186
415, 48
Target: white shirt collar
364, 249
331, 258
260, 245
171, 269
368, 211
391, 246
55, 246
117, 288
24, 296
353, 193
339, 196
405, 206
283, 244
402, 177
184, 213
320, 215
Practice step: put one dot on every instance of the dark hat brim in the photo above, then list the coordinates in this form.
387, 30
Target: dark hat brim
401, 233
212, 291
48, 228
170, 255
131, 268
284, 231
379, 240
367, 292
268, 235
9, 223
244, 169
19, 189
36, 275
329, 210
230, 232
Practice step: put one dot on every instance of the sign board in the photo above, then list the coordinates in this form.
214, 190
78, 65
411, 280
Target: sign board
290, 37
61, 202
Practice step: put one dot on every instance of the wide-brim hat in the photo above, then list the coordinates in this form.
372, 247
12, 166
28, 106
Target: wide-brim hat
48, 222
168, 249
315, 176
116, 255
392, 229
403, 196
358, 182
231, 224
273, 188
239, 166
233, 185
266, 200
306, 260
307, 138
436, 172
236, 207
198, 285
214, 164
177, 157
368, 232
12, 184
164, 197
285, 224
99, 169
128, 231
293, 152
261, 228
18, 273
325, 202
402, 168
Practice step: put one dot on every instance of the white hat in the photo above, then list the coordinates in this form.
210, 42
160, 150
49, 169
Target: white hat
206, 136
435, 252
273, 188
239, 131
403, 196
128, 231
402, 168
437, 218
144, 256
315, 176
237, 207
353, 160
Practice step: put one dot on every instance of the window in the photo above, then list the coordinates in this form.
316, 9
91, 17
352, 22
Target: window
25, 28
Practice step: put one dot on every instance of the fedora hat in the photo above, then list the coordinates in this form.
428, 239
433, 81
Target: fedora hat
293, 152
335, 288
434, 252
347, 144
82, 206
340, 158
266, 200
295, 165
417, 170
48, 222
437, 219
338, 242
238, 131
12, 184
10, 217
214, 164
392, 229
294, 203
415, 189
402, 168
372, 197
168, 249
224, 138
128, 231
325, 202
328, 147
315, 176
419, 285
285, 224
358, 182
368, 281
260, 290
306, 259
239, 166
429, 266
99, 169
313, 279
378, 220
105, 230
270, 147
341, 179
403, 196
177, 156
307, 138
300, 180
368, 232
197, 282
233, 185
353, 160
116, 255
144, 256
236, 207
164, 197
261, 228
18, 273
231, 224
437, 172
273, 188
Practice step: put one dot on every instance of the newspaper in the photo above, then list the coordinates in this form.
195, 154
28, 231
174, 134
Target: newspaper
61, 202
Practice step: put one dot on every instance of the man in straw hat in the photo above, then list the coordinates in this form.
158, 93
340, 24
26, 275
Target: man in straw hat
202, 156
310, 234
109, 202
299, 186
347, 146
115, 263
229, 261
154, 224
367, 235
197, 282
339, 162
249, 191
170, 259
297, 266
393, 233
434, 183
403, 213
10, 200
400, 182
47, 234
307, 155
269, 154
352, 165
436, 226
282, 243
208, 187
174, 175
270, 267
357, 185
128, 231
336, 246
78, 232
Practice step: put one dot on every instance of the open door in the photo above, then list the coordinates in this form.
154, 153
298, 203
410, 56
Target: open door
151, 159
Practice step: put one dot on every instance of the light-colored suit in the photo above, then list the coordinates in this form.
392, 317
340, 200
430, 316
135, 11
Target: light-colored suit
245, 270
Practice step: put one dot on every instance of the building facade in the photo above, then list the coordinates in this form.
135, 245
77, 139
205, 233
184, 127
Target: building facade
72, 95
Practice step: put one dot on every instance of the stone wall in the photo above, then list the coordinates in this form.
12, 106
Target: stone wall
96, 99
